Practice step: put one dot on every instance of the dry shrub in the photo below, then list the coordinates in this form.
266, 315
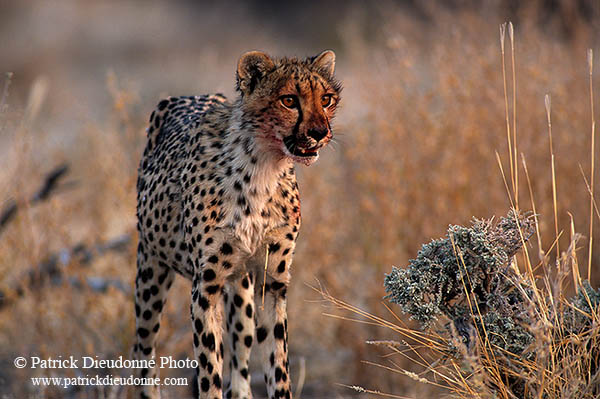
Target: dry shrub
510, 338
489, 330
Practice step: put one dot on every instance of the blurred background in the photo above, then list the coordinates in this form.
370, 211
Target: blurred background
422, 118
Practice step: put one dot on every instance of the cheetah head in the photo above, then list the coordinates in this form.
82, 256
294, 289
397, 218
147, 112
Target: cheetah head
289, 102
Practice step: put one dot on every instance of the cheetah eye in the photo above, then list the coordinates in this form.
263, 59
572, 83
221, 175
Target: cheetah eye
289, 101
326, 100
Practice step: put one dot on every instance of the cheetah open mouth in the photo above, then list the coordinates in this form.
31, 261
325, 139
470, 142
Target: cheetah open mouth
296, 150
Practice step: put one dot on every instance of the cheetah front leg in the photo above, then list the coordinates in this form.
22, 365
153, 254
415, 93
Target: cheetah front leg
207, 312
212, 271
271, 331
271, 336
240, 329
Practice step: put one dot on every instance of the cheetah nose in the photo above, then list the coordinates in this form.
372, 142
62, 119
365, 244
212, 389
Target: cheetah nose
318, 134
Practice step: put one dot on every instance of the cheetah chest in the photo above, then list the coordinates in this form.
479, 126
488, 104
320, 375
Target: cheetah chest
254, 224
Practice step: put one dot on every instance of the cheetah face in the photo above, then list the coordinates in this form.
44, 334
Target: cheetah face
292, 102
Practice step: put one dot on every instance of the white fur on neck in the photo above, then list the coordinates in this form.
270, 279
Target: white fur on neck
264, 178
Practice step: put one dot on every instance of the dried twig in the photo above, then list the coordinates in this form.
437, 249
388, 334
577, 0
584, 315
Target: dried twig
47, 188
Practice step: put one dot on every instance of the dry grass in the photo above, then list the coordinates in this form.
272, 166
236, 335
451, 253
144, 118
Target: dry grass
424, 114
562, 361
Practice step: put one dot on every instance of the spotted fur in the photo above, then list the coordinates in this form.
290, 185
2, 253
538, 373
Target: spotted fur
216, 188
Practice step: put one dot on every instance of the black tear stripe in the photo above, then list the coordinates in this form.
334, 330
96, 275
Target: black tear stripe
328, 125
299, 108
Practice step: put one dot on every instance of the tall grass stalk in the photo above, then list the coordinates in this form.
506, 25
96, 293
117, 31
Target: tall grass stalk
548, 105
508, 135
592, 162
511, 34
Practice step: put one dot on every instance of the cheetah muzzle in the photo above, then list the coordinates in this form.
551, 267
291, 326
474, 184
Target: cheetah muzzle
216, 192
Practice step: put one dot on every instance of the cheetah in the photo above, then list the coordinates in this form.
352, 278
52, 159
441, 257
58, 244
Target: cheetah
218, 203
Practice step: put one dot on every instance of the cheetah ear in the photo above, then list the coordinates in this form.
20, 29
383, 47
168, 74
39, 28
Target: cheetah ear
325, 61
252, 67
